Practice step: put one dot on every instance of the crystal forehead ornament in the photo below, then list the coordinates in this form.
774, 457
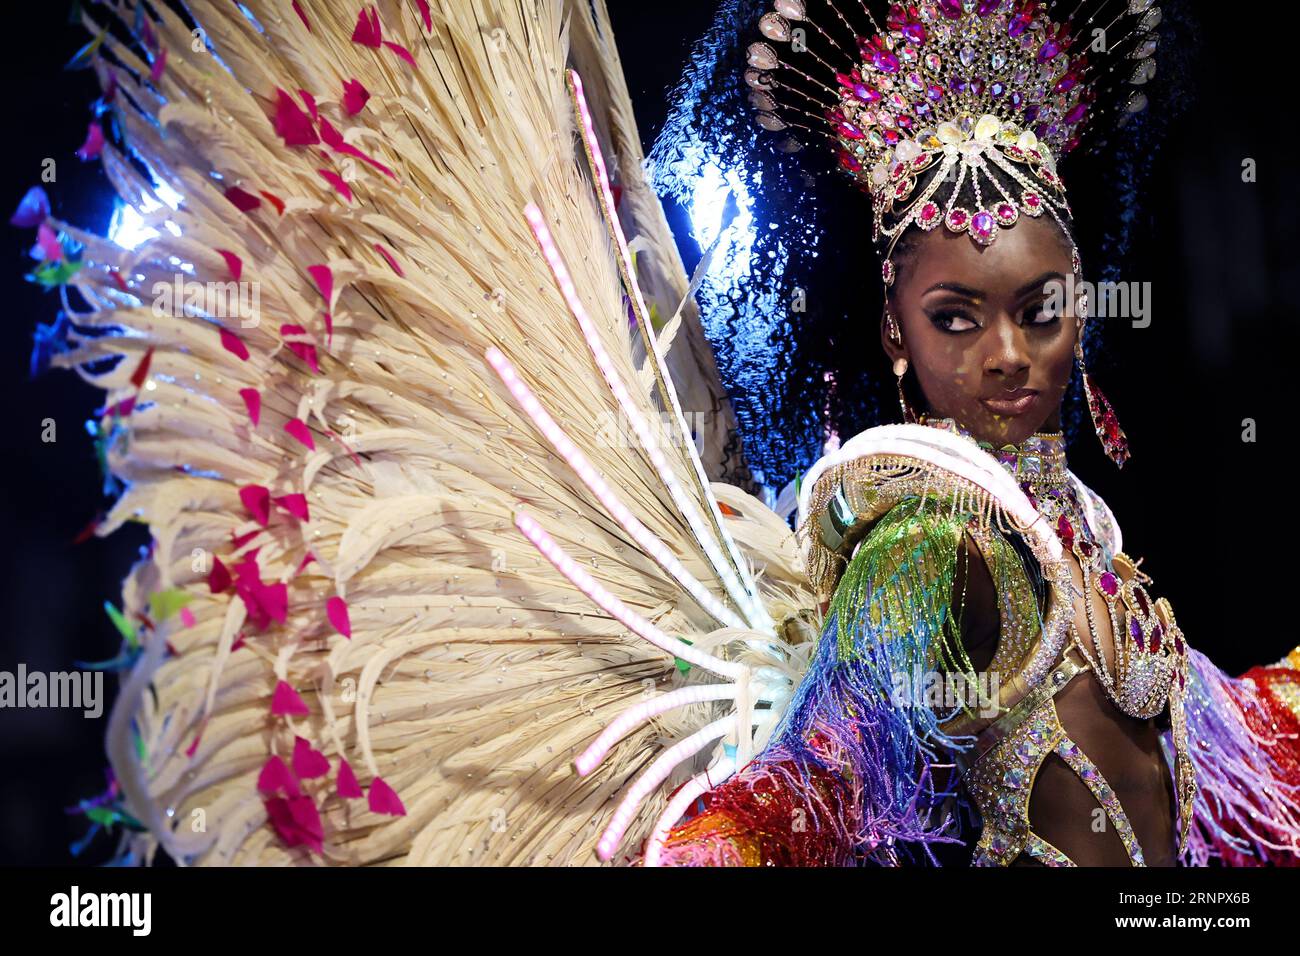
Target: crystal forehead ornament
990, 92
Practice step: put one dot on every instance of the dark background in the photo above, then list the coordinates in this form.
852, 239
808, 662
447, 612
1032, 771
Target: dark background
1206, 510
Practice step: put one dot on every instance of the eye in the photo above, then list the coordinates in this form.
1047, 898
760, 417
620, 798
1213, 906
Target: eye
1038, 314
953, 320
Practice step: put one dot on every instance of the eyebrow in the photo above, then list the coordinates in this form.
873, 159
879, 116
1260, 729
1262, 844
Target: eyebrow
968, 292
956, 287
1038, 283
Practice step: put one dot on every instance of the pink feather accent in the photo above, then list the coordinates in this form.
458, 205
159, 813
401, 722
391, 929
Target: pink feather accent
94, 143
295, 504
253, 402
257, 501
347, 782
308, 762
219, 577
355, 97
368, 32
233, 263
242, 199
286, 702
334, 140
48, 242
304, 350
392, 262
401, 51
323, 276
338, 182
298, 429
336, 609
276, 778
296, 821
291, 124
310, 102
383, 799
233, 344
159, 64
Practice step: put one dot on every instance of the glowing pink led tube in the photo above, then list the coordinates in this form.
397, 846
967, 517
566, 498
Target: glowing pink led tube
601, 175
654, 775
742, 595
643, 536
698, 784
636, 715
614, 607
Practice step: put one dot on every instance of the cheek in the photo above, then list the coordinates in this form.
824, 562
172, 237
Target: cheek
1058, 359
946, 365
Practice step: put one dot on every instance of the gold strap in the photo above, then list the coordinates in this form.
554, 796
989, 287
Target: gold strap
1056, 680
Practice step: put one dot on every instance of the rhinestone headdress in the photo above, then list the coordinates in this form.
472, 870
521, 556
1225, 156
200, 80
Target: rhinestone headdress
994, 91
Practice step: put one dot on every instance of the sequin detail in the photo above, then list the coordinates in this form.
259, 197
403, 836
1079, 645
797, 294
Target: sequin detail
1001, 782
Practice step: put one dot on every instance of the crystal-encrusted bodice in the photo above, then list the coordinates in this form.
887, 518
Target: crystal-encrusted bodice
1148, 675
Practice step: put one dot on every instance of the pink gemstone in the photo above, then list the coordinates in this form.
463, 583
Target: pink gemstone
982, 224
1109, 583
1065, 530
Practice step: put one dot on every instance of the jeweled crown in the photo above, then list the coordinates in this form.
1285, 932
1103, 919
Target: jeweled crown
993, 90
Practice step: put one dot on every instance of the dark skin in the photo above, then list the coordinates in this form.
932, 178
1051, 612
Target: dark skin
976, 330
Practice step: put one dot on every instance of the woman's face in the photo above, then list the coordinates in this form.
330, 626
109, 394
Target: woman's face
976, 327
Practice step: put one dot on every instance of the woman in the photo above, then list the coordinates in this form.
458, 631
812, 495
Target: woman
939, 117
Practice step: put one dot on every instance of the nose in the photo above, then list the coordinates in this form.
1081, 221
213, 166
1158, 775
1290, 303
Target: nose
1008, 355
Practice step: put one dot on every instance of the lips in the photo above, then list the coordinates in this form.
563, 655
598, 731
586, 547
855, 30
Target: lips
1011, 403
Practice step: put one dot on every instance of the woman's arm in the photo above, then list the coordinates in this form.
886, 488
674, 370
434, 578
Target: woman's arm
859, 767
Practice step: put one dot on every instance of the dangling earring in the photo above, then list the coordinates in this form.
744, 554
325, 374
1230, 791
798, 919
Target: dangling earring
1113, 440
900, 366
900, 369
